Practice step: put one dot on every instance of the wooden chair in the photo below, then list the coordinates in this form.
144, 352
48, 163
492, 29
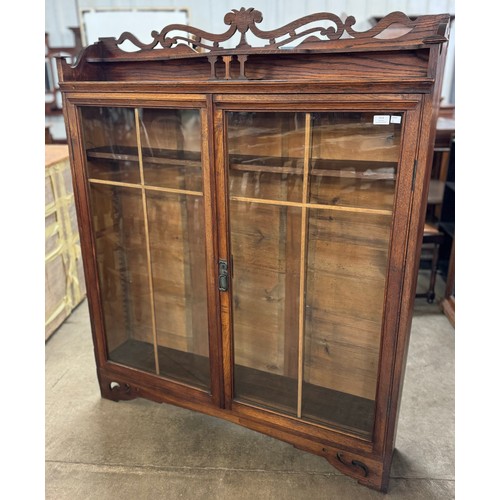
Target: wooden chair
432, 238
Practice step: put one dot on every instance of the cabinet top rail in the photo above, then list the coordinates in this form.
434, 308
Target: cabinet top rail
322, 31
227, 53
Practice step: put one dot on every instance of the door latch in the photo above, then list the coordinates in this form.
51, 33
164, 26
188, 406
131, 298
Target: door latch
223, 276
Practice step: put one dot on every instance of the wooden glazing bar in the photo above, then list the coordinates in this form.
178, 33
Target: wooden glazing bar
374, 211
173, 190
147, 188
148, 249
303, 262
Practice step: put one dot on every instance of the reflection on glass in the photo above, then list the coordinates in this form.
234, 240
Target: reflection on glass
118, 223
150, 242
354, 161
171, 145
327, 232
110, 142
346, 273
177, 243
265, 303
266, 155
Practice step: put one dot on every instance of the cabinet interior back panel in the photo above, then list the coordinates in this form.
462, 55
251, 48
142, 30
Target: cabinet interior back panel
261, 262
177, 237
346, 276
121, 254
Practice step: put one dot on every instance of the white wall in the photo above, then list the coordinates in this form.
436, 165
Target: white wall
209, 15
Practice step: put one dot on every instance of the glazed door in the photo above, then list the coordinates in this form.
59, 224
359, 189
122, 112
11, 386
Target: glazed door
146, 172
310, 209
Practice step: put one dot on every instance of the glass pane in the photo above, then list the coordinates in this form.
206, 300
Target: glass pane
150, 242
354, 160
266, 155
346, 273
171, 145
177, 243
119, 230
110, 142
265, 303
328, 233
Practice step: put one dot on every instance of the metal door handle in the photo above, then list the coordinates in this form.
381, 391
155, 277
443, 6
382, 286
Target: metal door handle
223, 276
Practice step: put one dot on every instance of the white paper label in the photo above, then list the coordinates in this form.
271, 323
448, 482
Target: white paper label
395, 119
381, 119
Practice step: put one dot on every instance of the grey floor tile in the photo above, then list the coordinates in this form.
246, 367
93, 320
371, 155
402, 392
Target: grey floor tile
84, 481
139, 449
425, 444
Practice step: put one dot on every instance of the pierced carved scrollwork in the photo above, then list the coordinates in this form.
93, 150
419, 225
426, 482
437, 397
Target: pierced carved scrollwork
350, 465
353, 464
117, 391
119, 388
323, 32
240, 58
331, 28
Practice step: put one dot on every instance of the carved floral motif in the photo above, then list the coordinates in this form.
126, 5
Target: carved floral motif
246, 20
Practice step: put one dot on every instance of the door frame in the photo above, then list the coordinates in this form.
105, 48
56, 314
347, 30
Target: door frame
411, 106
108, 369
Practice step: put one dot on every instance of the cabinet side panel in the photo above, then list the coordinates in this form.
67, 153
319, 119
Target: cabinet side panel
425, 137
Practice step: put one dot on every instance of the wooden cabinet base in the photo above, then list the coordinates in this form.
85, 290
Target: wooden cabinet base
368, 471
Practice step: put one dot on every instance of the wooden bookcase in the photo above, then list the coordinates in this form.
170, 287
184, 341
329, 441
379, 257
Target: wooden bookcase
251, 221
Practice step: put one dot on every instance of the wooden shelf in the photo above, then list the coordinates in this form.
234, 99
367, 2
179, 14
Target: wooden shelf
157, 156
364, 170
320, 404
319, 167
118, 153
191, 369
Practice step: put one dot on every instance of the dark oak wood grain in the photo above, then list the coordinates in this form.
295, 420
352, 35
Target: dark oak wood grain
324, 371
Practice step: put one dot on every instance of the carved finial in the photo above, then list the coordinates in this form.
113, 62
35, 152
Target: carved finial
243, 19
